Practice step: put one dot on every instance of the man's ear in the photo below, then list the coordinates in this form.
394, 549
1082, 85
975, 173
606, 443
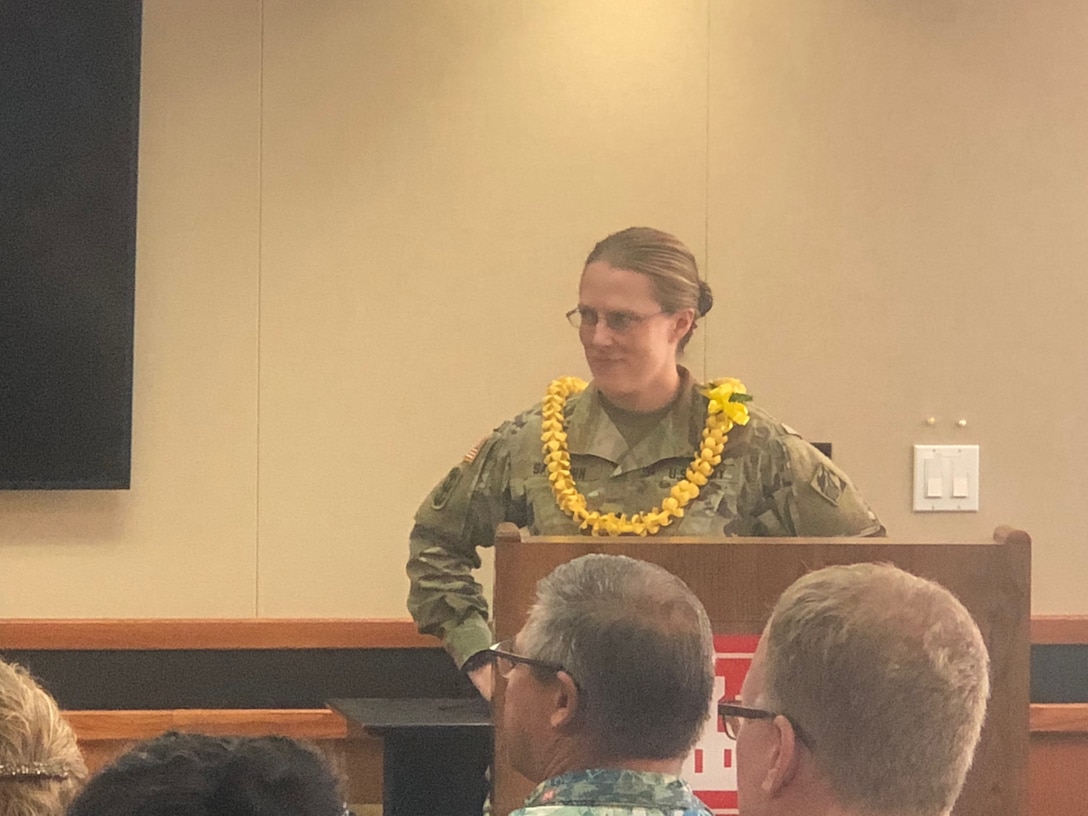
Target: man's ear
785, 758
565, 702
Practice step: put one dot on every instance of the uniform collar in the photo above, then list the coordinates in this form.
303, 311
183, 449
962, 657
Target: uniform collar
591, 431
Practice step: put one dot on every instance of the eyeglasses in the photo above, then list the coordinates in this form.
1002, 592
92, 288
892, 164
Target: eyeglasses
731, 713
618, 322
505, 660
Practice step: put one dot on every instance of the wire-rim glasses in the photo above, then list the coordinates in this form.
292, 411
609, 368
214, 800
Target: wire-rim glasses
505, 659
618, 322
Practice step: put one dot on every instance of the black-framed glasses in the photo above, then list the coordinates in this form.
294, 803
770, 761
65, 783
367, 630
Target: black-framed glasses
619, 322
730, 712
505, 659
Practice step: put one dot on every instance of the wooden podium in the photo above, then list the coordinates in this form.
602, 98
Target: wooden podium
739, 579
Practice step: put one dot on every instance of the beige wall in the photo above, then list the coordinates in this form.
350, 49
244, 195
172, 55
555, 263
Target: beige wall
360, 223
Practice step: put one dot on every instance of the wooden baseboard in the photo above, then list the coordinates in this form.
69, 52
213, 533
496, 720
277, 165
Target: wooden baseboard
306, 723
1059, 718
319, 724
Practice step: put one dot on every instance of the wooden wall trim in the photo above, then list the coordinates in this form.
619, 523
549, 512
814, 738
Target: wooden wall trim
307, 633
313, 724
1065, 629
309, 724
1059, 718
223, 633
212, 633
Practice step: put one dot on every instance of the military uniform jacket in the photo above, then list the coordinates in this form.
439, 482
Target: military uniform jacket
770, 483
612, 792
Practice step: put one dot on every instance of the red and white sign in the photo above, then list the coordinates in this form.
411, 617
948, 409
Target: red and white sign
711, 768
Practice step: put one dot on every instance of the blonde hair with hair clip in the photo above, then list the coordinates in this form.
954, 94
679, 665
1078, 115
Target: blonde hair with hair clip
41, 768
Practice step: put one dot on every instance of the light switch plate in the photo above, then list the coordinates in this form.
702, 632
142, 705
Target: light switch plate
941, 474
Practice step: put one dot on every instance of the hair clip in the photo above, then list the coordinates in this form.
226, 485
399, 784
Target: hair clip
34, 770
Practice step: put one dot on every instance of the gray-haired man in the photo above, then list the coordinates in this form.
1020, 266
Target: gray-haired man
608, 686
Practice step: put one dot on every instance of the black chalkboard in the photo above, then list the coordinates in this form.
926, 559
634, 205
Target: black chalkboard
69, 114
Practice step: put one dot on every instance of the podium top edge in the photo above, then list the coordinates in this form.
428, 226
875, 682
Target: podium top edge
744, 541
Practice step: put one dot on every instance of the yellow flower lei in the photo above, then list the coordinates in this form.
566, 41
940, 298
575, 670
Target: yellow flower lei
726, 407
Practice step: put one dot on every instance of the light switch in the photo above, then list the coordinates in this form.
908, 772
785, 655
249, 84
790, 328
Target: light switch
934, 478
946, 477
961, 482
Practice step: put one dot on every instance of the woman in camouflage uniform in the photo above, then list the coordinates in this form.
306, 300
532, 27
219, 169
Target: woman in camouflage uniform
629, 439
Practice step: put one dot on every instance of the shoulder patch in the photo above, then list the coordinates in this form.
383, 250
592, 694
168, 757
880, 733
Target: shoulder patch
828, 484
474, 451
443, 492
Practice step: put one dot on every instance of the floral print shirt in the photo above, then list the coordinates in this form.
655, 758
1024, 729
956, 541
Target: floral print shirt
612, 792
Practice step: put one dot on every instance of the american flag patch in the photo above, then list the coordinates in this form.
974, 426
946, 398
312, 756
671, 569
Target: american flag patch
470, 457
